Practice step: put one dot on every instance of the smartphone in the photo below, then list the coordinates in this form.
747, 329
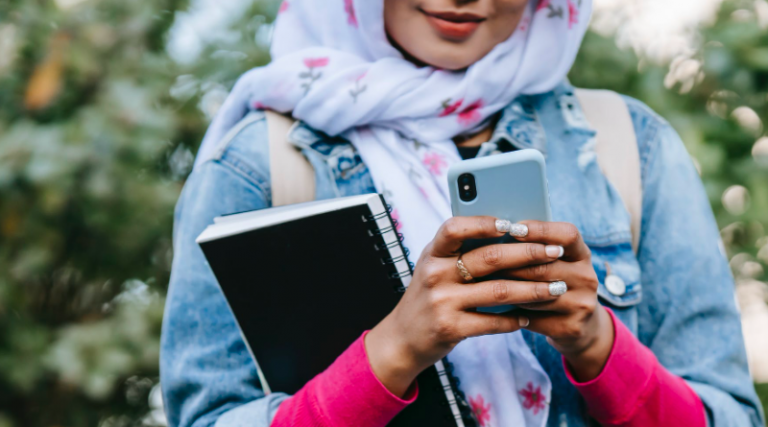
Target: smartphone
511, 186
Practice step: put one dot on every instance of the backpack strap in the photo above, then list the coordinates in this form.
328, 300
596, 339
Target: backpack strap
292, 176
616, 148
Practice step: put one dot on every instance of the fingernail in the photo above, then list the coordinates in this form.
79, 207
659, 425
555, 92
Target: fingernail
554, 251
503, 226
523, 321
518, 230
558, 288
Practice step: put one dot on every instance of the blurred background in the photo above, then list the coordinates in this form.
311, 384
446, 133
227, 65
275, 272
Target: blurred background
104, 102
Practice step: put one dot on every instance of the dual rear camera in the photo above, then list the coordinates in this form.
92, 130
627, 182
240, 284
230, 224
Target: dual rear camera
467, 187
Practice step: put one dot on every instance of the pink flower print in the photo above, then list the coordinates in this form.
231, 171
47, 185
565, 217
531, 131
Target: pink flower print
434, 163
554, 11
524, 24
534, 400
311, 76
316, 62
481, 410
396, 217
424, 193
259, 106
359, 88
471, 114
349, 7
450, 108
283, 7
573, 14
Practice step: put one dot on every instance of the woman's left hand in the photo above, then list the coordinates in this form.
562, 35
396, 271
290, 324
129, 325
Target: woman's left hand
575, 324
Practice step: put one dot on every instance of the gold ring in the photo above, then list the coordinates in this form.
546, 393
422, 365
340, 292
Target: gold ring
463, 270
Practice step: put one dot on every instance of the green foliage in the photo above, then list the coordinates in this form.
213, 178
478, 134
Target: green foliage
717, 100
97, 129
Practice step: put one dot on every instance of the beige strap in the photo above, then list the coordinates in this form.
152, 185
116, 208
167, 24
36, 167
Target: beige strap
292, 176
617, 152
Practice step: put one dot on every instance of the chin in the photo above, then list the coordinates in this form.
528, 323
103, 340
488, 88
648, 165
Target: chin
449, 56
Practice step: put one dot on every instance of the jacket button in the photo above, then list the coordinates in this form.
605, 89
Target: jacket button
615, 285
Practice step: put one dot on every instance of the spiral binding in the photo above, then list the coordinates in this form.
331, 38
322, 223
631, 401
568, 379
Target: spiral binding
383, 231
378, 216
395, 260
467, 415
384, 246
390, 245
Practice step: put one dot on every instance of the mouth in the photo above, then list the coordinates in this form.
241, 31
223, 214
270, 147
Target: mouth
454, 26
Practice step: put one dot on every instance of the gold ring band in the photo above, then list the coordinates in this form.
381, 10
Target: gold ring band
463, 270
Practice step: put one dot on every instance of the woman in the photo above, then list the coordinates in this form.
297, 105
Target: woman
391, 92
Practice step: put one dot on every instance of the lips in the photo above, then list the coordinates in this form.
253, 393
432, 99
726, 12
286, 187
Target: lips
453, 25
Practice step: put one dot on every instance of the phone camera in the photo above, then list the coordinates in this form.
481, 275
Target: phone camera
467, 187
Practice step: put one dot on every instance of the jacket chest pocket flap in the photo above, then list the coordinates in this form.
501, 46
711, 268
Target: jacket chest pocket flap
617, 271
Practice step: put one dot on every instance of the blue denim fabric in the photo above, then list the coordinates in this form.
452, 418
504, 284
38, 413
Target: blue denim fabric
680, 294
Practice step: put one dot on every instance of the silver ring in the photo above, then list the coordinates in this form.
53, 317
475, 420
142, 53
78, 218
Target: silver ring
463, 270
558, 288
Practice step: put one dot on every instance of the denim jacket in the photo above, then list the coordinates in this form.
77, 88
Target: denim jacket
678, 294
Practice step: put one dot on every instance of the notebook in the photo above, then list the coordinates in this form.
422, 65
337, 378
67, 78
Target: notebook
304, 281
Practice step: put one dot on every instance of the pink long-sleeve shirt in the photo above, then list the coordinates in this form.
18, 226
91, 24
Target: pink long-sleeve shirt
633, 390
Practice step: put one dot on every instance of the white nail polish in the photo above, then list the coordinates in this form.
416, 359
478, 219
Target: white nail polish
558, 288
503, 226
523, 321
554, 251
518, 230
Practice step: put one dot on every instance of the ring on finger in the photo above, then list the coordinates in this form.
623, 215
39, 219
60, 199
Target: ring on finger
558, 288
463, 271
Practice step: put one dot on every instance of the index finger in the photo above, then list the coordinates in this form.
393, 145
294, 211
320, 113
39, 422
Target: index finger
557, 233
454, 232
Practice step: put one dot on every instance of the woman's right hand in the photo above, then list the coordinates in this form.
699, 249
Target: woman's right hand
436, 312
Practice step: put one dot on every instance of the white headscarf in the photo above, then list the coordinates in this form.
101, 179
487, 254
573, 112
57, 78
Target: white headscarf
334, 68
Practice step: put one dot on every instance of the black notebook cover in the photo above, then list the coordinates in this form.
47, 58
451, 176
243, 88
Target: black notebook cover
303, 291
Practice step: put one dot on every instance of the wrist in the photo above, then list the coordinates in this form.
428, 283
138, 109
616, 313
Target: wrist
588, 360
390, 358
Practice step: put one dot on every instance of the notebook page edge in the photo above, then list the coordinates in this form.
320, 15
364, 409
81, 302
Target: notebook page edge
449, 394
378, 207
265, 218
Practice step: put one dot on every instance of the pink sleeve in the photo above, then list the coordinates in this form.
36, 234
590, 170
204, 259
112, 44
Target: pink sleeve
348, 393
634, 389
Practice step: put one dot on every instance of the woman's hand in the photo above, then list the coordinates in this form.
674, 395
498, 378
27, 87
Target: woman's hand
435, 313
575, 324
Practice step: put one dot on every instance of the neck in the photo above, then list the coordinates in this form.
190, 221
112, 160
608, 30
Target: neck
478, 138
474, 140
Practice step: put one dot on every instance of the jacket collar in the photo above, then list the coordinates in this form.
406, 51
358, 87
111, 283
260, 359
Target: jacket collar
521, 125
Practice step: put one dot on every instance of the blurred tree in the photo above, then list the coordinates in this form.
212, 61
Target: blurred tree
97, 129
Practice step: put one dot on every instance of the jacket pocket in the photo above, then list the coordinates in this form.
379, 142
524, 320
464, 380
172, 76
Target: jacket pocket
617, 271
